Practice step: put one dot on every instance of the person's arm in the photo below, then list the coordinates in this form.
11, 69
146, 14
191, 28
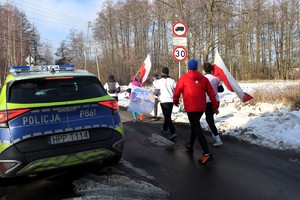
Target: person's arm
177, 92
212, 96
118, 89
106, 87
129, 88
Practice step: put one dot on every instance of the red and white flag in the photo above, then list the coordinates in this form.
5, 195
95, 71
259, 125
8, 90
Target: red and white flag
224, 75
145, 69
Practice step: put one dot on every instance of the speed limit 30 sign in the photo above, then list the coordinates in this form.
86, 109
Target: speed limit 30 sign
180, 53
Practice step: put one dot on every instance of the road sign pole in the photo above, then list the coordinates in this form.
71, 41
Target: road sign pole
180, 53
178, 69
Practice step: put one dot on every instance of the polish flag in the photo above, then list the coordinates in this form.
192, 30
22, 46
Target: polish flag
145, 69
224, 75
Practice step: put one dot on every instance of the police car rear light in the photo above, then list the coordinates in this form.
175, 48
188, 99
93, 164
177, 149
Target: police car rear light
7, 165
10, 114
20, 69
59, 77
110, 104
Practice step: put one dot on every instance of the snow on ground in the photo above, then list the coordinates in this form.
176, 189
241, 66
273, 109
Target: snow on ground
265, 124
117, 186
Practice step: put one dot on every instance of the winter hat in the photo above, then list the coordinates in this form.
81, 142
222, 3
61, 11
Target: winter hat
193, 64
111, 78
155, 76
165, 71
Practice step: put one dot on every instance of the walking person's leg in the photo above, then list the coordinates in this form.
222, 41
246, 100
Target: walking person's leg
155, 107
134, 116
164, 109
169, 117
209, 114
194, 118
168, 124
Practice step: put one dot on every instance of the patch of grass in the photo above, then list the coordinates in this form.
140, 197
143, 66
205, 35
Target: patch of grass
288, 96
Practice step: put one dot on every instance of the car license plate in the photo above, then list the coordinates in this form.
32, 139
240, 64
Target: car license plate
69, 137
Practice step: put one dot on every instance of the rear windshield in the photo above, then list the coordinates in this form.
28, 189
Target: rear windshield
55, 90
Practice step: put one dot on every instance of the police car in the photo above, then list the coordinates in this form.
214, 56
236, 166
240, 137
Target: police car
53, 117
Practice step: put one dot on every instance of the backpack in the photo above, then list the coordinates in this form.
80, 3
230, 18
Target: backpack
112, 87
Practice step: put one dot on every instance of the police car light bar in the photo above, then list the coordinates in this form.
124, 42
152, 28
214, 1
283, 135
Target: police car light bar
19, 69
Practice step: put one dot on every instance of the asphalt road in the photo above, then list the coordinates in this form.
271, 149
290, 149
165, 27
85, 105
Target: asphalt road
238, 171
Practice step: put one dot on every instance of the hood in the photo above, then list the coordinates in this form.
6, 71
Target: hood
194, 75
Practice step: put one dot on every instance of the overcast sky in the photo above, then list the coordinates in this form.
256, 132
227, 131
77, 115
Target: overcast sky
55, 18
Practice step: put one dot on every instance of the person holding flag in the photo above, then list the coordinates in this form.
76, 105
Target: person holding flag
209, 113
144, 71
134, 83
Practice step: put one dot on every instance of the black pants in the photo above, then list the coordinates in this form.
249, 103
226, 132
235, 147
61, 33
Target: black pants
209, 114
155, 106
196, 131
167, 112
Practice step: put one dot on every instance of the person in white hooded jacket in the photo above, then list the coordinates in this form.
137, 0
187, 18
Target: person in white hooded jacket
166, 85
209, 113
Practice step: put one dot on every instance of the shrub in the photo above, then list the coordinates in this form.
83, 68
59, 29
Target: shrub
288, 95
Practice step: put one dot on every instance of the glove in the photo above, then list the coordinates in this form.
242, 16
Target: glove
216, 111
176, 104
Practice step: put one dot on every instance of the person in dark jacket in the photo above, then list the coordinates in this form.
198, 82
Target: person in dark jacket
193, 86
112, 87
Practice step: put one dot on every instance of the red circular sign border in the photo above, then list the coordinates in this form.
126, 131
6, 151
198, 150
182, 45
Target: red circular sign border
185, 27
175, 50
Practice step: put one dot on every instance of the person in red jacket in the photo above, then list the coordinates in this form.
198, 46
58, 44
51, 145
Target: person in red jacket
194, 86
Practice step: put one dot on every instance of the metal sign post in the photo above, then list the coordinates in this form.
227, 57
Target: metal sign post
180, 53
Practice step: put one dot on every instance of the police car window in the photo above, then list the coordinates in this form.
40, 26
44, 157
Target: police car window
55, 90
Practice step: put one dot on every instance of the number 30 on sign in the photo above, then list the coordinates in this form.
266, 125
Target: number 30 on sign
180, 53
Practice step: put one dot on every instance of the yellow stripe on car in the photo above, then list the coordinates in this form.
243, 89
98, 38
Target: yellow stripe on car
65, 161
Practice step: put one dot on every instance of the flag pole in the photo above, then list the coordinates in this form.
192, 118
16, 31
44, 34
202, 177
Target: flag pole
136, 74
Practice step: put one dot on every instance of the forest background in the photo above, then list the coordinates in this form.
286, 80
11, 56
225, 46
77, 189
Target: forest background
257, 39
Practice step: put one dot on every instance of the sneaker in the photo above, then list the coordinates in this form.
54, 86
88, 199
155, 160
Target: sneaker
155, 119
217, 143
173, 136
142, 116
135, 120
162, 131
205, 158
